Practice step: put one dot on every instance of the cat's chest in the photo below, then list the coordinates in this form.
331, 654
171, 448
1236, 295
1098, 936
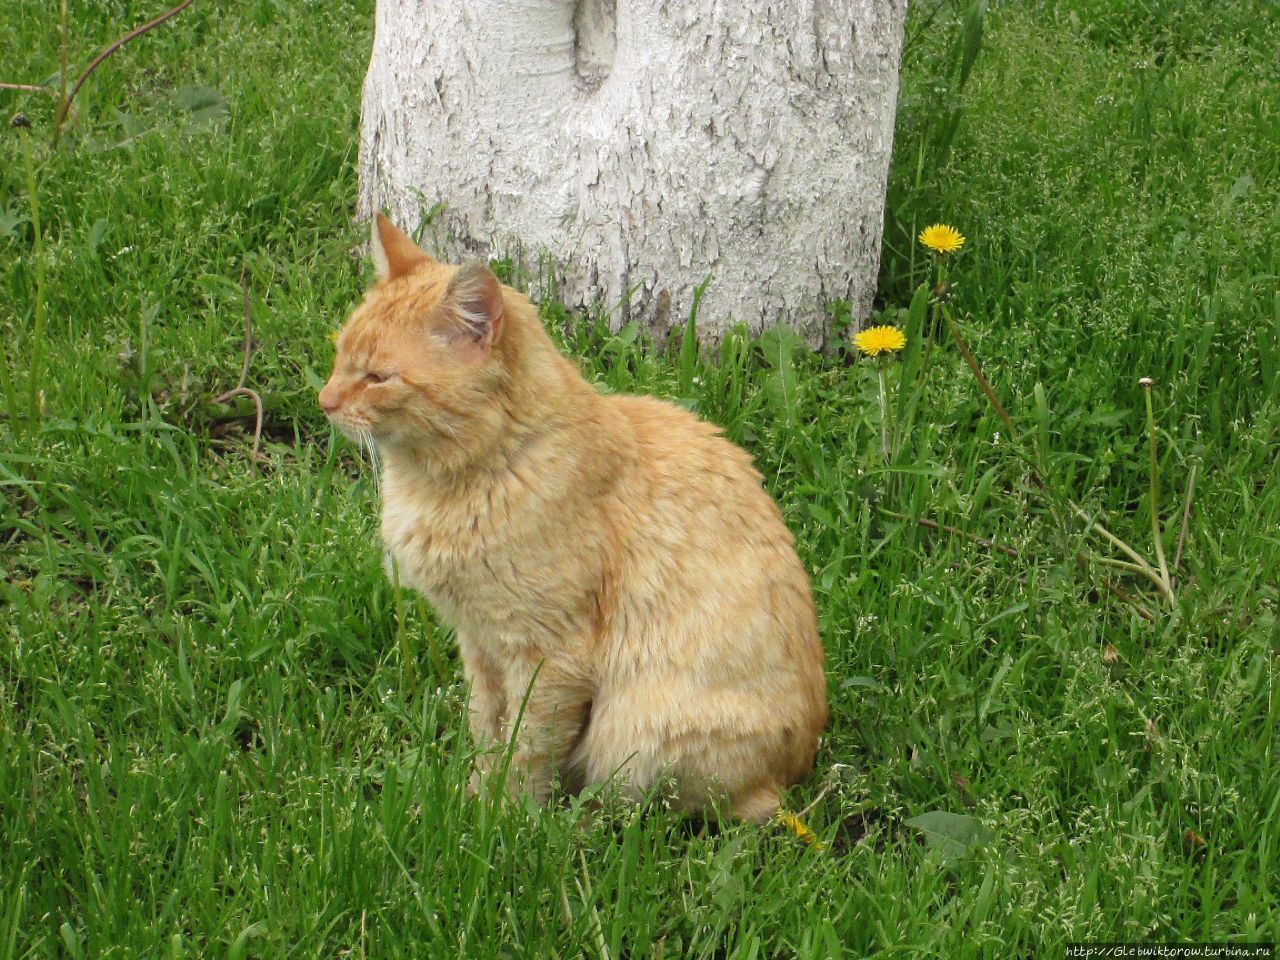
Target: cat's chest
480, 569
443, 550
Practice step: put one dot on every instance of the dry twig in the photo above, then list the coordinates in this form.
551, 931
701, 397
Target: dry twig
240, 390
1138, 608
954, 531
61, 116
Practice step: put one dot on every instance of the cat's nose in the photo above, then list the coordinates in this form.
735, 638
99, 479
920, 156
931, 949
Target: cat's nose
330, 400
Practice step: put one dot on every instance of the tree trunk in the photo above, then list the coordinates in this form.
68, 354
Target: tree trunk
646, 146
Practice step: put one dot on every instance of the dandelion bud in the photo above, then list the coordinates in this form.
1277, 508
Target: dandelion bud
1146, 382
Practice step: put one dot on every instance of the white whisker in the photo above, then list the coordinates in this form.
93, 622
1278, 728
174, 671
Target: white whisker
369, 445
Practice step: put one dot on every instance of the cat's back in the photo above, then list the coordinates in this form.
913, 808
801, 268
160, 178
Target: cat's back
713, 659
679, 453
701, 519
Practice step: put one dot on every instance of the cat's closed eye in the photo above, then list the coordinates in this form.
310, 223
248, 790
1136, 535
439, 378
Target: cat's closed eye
378, 377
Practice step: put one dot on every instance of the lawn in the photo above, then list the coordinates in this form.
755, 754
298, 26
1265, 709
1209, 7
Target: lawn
223, 732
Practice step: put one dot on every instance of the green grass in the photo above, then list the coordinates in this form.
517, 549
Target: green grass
206, 745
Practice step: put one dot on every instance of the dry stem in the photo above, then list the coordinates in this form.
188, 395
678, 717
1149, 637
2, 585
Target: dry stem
65, 105
29, 88
1138, 608
1186, 517
240, 390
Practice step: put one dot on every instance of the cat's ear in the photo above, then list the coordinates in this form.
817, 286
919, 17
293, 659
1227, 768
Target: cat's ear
473, 304
394, 254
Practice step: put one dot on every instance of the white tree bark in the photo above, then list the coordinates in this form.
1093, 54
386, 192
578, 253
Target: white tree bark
646, 145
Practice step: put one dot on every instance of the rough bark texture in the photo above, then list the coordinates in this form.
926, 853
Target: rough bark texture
646, 145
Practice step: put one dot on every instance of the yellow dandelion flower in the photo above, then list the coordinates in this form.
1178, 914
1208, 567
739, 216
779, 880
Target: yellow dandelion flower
333, 336
942, 238
793, 824
876, 340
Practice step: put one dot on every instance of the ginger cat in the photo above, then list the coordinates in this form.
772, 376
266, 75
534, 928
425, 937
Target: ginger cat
611, 557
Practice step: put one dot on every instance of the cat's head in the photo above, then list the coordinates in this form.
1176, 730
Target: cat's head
417, 361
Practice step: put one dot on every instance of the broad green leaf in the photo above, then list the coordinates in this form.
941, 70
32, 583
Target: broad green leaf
867, 683
954, 834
